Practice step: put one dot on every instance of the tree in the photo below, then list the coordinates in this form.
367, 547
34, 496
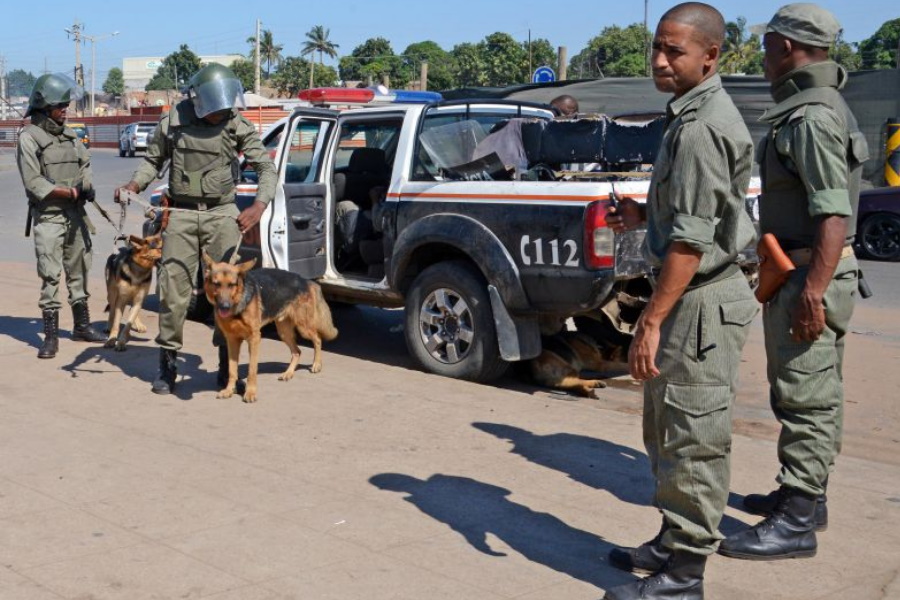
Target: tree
246, 72
441, 64
373, 59
845, 54
317, 41
294, 70
469, 65
542, 54
176, 70
880, 51
615, 52
20, 82
115, 82
741, 53
505, 60
269, 51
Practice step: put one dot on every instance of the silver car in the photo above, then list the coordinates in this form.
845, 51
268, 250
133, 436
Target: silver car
134, 137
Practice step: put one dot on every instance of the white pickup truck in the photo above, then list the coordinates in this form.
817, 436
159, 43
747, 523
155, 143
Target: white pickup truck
479, 252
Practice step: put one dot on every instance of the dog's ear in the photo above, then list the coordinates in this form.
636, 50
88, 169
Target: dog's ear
136, 241
246, 266
208, 263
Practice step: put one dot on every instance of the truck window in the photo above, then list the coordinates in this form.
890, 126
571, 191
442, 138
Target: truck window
303, 160
367, 133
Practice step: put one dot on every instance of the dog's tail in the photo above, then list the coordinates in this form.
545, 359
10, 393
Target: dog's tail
324, 323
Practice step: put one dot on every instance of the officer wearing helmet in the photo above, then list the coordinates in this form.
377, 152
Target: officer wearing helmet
56, 172
202, 137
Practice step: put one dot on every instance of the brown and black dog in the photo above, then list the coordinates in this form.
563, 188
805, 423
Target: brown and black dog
128, 275
566, 354
244, 301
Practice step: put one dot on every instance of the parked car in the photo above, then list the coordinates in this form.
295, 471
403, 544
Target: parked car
878, 226
82, 131
135, 136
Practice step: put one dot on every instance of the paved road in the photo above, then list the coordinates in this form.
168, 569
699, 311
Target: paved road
372, 479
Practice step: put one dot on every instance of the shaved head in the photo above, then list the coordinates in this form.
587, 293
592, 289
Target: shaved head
703, 18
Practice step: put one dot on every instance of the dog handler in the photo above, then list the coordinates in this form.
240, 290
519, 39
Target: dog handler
202, 136
688, 341
56, 172
810, 164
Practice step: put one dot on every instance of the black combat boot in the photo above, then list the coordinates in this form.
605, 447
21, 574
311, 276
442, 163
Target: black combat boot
790, 532
680, 579
165, 380
51, 334
764, 505
649, 557
82, 331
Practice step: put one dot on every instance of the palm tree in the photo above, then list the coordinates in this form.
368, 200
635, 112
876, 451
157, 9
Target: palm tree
317, 41
269, 51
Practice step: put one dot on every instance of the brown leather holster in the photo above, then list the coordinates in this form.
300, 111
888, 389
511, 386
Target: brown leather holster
775, 267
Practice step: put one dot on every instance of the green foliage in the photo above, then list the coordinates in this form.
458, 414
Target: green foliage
269, 51
20, 82
470, 66
441, 65
373, 59
115, 82
317, 41
176, 70
292, 75
880, 50
542, 54
741, 53
246, 72
624, 50
845, 54
504, 58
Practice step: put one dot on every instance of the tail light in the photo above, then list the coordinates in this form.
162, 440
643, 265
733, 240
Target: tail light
599, 240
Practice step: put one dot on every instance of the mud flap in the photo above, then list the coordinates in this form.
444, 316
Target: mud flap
519, 338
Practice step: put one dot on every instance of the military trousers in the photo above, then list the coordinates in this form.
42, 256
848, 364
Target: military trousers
189, 233
62, 243
687, 409
806, 379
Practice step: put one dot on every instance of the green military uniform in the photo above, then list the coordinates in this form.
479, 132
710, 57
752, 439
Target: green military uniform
201, 179
810, 164
697, 197
50, 155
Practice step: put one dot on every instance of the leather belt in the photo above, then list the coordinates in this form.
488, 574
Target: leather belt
701, 279
802, 256
191, 205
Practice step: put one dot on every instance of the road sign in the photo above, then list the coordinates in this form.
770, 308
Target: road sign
543, 74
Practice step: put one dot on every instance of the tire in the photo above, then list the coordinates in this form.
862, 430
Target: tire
131, 153
879, 237
121, 151
448, 305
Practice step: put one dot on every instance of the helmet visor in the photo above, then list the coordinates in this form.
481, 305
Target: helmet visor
216, 95
60, 88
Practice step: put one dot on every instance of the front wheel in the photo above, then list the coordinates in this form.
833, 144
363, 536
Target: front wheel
450, 326
121, 151
879, 237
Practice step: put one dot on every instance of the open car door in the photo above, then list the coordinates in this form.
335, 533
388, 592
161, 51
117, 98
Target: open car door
298, 232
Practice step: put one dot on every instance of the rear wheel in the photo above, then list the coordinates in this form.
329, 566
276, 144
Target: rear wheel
131, 152
879, 237
121, 151
450, 326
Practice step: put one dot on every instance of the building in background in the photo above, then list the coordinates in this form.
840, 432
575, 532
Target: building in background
138, 71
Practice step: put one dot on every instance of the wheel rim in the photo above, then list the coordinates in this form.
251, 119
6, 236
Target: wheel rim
446, 326
882, 237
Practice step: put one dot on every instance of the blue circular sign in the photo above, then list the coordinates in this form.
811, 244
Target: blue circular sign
543, 75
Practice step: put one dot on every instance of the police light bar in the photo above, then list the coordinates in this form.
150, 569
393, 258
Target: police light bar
335, 95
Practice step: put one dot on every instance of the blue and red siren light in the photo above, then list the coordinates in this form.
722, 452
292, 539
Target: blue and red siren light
336, 95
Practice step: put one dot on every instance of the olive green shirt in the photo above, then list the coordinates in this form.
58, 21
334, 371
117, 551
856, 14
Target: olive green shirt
700, 179
812, 144
37, 185
247, 142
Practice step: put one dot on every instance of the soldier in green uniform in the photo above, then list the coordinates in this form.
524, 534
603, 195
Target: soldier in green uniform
56, 172
688, 341
202, 136
810, 164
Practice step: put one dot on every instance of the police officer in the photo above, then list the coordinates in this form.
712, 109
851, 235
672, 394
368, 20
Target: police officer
689, 338
56, 173
202, 136
810, 164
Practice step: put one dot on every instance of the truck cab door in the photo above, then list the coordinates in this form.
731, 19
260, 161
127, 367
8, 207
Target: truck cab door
298, 229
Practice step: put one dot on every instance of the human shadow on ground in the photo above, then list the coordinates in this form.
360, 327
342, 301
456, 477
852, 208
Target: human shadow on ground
475, 509
28, 330
622, 471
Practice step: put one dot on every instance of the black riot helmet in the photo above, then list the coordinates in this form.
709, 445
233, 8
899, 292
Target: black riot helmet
52, 89
213, 88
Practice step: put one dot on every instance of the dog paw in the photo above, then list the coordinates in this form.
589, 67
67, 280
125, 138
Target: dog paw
315, 368
286, 376
110, 343
121, 347
250, 396
139, 328
226, 393
600, 384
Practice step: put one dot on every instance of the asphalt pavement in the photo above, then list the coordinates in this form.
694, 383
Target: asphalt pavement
374, 480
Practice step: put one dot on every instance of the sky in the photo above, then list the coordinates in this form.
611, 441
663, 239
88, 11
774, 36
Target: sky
38, 42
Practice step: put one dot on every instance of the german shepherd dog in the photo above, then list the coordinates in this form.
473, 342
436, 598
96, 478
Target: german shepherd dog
244, 301
566, 354
128, 275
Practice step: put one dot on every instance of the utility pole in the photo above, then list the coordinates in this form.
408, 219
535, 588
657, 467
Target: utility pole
75, 33
646, 41
4, 96
563, 63
423, 75
530, 66
93, 39
258, 59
